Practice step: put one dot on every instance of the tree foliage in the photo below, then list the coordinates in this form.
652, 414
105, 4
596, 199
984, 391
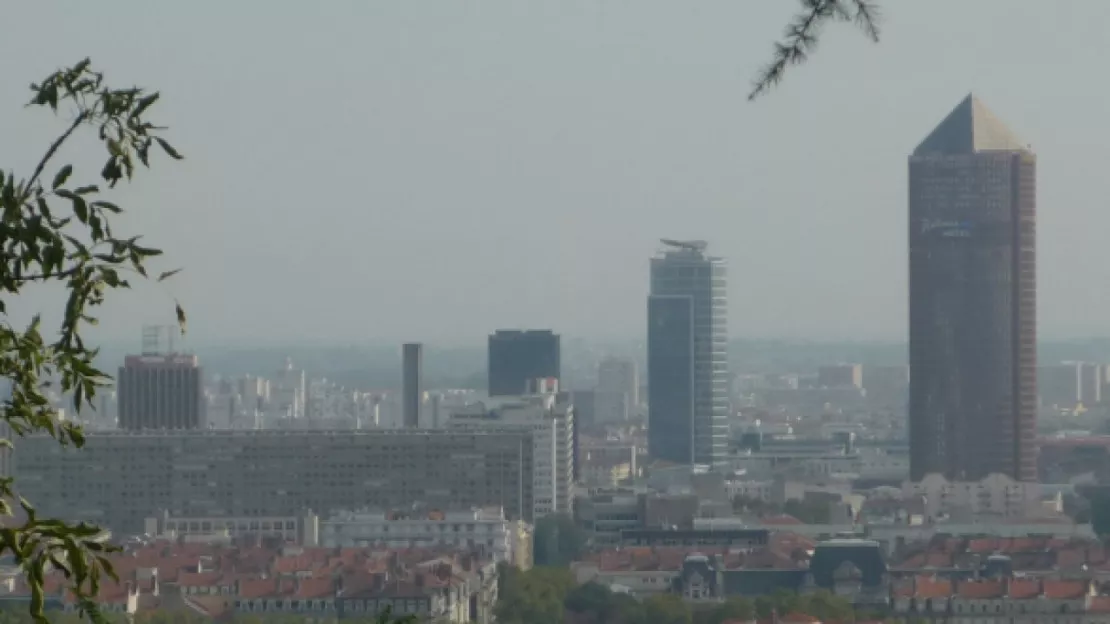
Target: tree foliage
187, 616
557, 541
803, 33
535, 596
666, 609
548, 595
733, 608
57, 230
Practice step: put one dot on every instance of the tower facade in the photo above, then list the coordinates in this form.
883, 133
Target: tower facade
687, 356
161, 392
412, 383
518, 358
973, 300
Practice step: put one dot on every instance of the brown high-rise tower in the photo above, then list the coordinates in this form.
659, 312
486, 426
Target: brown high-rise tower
973, 300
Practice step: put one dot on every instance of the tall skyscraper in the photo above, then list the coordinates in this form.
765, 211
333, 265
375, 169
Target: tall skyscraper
618, 389
412, 383
973, 300
687, 356
518, 358
161, 392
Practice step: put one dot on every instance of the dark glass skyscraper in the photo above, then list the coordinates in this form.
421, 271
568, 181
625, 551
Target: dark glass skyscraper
518, 358
161, 392
687, 356
973, 300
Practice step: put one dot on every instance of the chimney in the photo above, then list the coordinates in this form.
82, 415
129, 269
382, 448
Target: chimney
419, 580
1006, 585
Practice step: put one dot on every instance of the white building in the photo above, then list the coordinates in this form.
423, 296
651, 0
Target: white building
552, 425
485, 529
997, 494
288, 391
618, 390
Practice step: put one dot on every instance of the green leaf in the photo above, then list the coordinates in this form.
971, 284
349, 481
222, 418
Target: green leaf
168, 274
180, 316
81, 209
61, 177
144, 104
166, 147
109, 206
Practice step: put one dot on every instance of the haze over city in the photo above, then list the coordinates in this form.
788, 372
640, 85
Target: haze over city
386, 171
575, 312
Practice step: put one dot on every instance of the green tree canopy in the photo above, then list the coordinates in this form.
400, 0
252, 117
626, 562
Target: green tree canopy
57, 227
557, 541
532, 597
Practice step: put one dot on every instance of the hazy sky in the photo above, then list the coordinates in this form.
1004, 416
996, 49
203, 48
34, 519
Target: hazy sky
436, 169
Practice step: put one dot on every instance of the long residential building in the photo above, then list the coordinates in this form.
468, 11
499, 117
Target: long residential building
118, 479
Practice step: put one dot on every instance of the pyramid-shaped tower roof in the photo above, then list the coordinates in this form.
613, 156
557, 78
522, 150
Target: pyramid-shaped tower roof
970, 128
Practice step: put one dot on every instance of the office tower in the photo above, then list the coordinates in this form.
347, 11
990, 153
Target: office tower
288, 392
840, 376
1091, 390
161, 392
973, 300
435, 405
618, 389
585, 407
412, 383
687, 356
120, 478
518, 358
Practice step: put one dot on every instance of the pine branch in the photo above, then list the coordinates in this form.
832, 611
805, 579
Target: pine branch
803, 33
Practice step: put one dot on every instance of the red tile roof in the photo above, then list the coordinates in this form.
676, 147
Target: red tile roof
981, 589
1065, 590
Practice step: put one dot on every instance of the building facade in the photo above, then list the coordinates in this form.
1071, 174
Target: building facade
551, 425
618, 389
518, 358
483, 529
161, 392
687, 356
412, 383
973, 308
118, 479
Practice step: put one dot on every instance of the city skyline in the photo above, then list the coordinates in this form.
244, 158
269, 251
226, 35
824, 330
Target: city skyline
665, 144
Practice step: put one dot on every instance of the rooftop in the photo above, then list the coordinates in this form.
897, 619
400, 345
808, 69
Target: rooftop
970, 128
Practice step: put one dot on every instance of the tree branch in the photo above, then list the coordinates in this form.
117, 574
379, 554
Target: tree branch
81, 117
804, 32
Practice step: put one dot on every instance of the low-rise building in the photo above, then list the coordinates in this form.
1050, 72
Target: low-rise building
1000, 601
997, 494
484, 529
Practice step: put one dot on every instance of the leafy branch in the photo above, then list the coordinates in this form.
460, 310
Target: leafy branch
62, 234
804, 32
